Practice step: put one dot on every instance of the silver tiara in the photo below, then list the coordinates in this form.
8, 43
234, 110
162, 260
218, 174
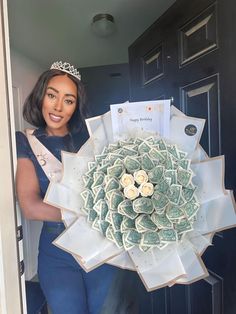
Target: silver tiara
66, 67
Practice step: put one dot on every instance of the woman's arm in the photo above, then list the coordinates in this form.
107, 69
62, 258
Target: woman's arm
28, 193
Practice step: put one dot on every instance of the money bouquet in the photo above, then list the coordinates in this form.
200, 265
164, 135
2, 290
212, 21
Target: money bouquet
144, 197
139, 192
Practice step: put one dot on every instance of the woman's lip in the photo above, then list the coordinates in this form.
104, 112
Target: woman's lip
55, 118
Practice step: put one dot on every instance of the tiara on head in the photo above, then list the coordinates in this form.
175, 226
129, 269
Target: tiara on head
66, 67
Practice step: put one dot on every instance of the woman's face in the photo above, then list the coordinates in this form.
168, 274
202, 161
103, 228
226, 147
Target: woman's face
59, 104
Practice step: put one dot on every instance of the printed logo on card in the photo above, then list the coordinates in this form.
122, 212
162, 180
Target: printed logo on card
149, 108
190, 129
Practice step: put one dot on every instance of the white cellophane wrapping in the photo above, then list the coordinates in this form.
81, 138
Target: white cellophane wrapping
176, 263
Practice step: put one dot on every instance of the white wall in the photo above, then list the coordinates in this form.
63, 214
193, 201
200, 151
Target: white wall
24, 75
24, 72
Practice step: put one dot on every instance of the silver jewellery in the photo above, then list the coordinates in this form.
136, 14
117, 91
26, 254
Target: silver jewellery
66, 67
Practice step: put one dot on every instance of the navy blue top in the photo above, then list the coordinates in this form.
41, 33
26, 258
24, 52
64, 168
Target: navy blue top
55, 144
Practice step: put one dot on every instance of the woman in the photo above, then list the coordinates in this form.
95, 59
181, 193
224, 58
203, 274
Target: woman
57, 108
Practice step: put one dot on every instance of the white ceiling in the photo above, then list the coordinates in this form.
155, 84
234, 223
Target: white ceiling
49, 30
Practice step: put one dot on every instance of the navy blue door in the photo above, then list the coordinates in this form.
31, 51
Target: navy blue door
189, 55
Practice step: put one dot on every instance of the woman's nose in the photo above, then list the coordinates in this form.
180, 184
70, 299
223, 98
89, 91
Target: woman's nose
58, 105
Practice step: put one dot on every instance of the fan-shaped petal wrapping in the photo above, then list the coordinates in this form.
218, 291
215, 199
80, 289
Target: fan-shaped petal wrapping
200, 208
166, 261
97, 249
122, 260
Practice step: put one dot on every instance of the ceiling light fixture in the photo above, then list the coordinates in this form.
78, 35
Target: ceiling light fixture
103, 25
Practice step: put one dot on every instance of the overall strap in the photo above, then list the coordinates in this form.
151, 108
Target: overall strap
51, 166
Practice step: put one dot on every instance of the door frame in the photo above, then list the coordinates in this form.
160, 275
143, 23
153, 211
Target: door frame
10, 282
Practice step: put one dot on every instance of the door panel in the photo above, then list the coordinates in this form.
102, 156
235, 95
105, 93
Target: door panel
153, 67
200, 99
201, 297
188, 55
211, 290
199, 36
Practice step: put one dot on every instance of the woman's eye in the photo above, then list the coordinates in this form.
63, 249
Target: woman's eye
51, 95
69, 101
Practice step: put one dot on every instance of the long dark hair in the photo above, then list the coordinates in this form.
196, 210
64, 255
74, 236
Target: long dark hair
32, 110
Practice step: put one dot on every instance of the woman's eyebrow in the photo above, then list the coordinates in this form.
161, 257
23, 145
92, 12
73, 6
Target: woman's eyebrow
70, 95
56, 91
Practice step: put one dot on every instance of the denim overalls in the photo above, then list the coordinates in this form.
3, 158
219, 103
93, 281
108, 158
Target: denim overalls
67, 287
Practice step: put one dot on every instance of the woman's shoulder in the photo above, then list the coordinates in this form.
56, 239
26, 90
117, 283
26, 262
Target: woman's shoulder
22, 145
20, 137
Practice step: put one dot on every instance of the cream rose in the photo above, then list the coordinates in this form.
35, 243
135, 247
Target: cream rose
140, 176
131, 192
146, 189
126, 180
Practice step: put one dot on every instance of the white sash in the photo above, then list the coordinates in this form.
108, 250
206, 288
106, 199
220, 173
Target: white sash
51, 166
